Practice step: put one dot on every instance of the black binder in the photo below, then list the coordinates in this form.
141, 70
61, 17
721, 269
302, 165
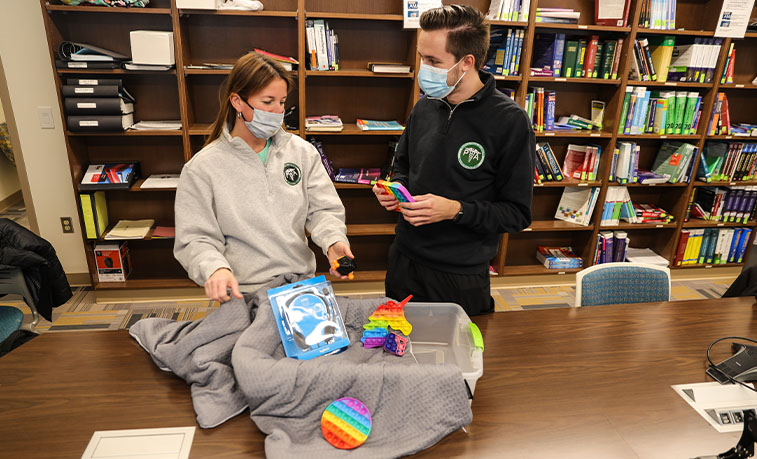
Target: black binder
97, 106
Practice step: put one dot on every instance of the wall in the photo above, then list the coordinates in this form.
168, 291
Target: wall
8, 175
29, 76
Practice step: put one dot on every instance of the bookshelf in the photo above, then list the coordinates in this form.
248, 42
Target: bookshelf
371, 31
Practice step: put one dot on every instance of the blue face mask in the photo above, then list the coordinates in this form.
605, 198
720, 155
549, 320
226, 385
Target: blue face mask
264, 124
433, 80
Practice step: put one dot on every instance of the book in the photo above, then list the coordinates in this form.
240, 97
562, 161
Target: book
646, 256
94, 213
109, 176
147, 67
158, 181
163, 232
287, 62
157, 125
611, 12
373, 125
577, 205
558, 257
386, 67
358, 175
130, 229
324, 123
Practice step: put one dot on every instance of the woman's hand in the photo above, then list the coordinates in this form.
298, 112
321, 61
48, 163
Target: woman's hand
217, 284
335, 252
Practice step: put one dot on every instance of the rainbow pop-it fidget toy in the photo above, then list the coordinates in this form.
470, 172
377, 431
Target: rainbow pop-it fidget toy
346, 423
392, 315
395, 344
374, 338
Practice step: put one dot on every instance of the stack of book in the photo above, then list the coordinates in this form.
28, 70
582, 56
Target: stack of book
73, 55
540, 106
734, 161
557, 15
618, 206
322, 44
659, 112
658, 14
716, 246
611, 247
289, 63
725, 204
546, 167
130, 229
582, 162
97, 105
324, 123
558, 257
673, 164
730, 62
363, 175
509, 10
660, 59
109, 176
645, 256
577, 205
675, 159
505, 45
649, 213
556, 56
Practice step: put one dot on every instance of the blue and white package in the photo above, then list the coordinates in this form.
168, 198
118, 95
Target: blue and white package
308, 318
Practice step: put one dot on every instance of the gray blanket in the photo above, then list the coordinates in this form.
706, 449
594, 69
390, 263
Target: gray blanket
232, 362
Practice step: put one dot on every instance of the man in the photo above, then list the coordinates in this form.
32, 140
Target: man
466, 157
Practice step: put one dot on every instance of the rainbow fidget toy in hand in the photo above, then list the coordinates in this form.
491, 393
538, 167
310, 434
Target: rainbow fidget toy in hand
346, 423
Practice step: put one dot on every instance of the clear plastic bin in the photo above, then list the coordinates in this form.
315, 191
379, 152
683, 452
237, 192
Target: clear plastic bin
443, 333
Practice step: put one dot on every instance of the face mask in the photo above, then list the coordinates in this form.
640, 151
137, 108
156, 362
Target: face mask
264, 124
433, 80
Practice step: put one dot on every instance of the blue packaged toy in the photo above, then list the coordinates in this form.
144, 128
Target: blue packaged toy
308, 318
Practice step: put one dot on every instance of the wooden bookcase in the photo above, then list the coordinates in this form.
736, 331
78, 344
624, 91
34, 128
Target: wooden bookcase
369, 31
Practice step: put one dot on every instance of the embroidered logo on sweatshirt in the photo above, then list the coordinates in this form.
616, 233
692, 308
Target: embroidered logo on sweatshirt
471, 155
292, 173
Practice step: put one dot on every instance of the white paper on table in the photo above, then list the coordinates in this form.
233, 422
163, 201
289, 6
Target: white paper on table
713, 399
734, 18
412, 10
168, 443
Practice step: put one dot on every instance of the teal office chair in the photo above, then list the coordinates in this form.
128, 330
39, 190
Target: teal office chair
619, 283
12, 282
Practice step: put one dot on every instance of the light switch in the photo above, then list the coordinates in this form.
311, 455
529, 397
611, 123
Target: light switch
45, 117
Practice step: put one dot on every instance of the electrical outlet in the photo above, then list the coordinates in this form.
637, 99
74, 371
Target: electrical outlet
68, 226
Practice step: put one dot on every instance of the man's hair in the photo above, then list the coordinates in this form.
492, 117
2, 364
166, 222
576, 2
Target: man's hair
467, 32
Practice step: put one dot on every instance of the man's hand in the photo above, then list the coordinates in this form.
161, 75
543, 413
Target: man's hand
429, 208
387, 200
335, 252
219, 282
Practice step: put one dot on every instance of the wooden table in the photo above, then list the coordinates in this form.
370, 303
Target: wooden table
592, 382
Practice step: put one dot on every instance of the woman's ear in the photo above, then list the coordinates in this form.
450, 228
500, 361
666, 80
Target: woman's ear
236, 101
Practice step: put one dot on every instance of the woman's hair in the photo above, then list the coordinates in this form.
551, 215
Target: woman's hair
251, 73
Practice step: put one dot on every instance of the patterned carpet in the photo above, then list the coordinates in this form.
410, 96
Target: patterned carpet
82, 313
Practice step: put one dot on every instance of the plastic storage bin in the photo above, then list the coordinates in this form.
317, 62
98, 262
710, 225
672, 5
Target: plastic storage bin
443, 333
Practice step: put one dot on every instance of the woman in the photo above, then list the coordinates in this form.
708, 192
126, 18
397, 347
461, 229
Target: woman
246, 200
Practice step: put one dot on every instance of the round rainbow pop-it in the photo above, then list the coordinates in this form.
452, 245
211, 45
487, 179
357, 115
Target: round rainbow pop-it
346, 423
